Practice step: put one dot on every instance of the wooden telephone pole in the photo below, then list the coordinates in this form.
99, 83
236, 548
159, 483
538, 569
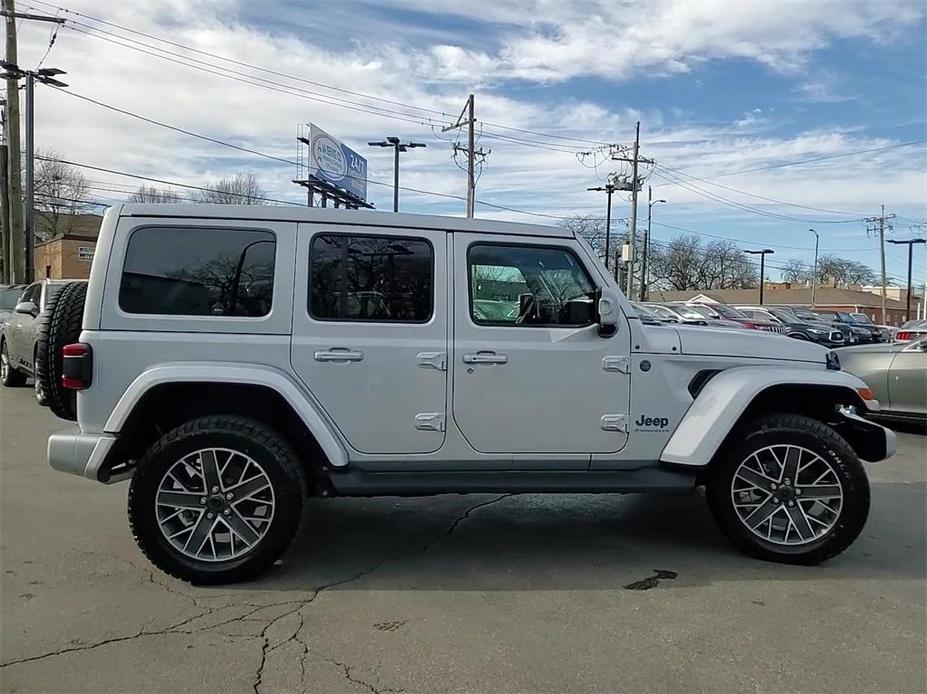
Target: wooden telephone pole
16, 247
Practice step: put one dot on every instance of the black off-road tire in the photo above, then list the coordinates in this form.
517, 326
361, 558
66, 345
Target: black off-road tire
11, 376
258, 441
59, 325
820, 439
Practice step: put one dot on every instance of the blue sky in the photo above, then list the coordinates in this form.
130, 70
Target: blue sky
719, 86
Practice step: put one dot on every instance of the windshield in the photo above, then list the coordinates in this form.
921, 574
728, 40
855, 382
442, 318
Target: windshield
807, 314
861, 319
661, 311
782, 314
9, 297
732, 313
692, 312
643, 311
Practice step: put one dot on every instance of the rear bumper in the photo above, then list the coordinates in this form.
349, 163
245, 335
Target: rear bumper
78, 453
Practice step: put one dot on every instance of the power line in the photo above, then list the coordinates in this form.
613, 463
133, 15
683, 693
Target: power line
753, 195
747, 208
817, 159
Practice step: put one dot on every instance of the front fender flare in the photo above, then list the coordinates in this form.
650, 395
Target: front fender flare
246, 374
725, 397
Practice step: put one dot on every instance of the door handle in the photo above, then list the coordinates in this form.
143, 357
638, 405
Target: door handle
485, 358
339, 354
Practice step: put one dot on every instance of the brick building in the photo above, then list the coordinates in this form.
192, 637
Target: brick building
833, 299
69, 256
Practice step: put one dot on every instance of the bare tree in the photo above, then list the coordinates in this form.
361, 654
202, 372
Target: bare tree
240, 189
592, 229
685, 263
60, 194
156, 195
833, 271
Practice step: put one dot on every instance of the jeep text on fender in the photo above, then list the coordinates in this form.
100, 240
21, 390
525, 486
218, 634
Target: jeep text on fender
234, 360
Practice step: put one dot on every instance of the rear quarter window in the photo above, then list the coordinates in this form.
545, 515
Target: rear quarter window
188, 271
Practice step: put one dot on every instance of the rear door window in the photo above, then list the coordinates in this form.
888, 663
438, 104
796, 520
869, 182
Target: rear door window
186, 271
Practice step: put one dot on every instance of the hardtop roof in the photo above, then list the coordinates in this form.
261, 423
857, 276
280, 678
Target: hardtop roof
319, 215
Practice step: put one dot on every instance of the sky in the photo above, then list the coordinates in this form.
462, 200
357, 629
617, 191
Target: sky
764, 118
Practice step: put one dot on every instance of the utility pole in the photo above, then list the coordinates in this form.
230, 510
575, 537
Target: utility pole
762, 255
814, 271
471, 151
907, 304
879, 225
16, 256
619, 153
22, 208
397, 147
642, 294
609, 188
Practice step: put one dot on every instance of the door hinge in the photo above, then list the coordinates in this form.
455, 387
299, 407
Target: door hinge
615, 422
429, 421
434, 360
619, 364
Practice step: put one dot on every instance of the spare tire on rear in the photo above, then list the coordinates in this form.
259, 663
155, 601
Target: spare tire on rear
60, 325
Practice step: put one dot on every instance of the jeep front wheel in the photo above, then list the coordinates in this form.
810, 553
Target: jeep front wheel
789, 489
216, 500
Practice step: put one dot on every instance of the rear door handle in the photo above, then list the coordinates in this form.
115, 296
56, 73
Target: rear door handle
485, 358
339, 354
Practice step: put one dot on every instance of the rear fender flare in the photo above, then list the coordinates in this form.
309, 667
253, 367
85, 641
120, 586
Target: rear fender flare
722, 401
246, 374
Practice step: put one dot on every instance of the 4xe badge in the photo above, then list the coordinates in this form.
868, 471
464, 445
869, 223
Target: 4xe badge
645, 423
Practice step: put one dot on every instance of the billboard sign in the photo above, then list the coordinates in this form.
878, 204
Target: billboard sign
85, 253
332, 161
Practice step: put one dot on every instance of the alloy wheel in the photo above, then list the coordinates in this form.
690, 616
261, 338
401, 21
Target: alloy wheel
214, 504
787, 494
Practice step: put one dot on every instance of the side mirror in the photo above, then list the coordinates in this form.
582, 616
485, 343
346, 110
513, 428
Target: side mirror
607, 312
27, 307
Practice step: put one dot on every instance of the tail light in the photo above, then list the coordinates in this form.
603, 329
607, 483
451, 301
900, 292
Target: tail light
750, 325
77, 366
902, 336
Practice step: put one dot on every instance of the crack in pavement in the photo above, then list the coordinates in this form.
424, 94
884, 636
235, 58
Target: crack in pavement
266, 648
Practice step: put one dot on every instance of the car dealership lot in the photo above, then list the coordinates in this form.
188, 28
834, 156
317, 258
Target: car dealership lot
483, 593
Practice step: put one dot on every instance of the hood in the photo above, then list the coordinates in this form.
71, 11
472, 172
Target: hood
756, 344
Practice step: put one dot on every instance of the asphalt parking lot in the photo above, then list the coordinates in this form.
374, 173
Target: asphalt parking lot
456, 593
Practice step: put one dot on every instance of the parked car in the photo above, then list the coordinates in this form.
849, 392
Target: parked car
851, 334
18, 340
730, 313
911, 330
226, 414
650, 317
888, 331
715, 319
896, 373
667, 313
818, 332
9, 297
865, 333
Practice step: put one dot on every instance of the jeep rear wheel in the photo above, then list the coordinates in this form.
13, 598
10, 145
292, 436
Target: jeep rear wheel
10, 376
216, 500
789, 489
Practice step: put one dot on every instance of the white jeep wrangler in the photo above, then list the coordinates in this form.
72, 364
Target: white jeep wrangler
233, 360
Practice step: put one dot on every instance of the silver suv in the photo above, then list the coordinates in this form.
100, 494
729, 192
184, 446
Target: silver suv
234, 360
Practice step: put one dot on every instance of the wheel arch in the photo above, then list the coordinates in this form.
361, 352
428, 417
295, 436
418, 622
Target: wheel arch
738, 395
165, 396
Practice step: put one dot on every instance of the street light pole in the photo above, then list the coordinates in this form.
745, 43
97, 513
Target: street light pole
645, 285
814, 272
910, 244
397, 148
762, 255
609, 188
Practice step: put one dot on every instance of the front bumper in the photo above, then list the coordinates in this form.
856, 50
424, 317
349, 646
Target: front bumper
77, 453
872, 442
